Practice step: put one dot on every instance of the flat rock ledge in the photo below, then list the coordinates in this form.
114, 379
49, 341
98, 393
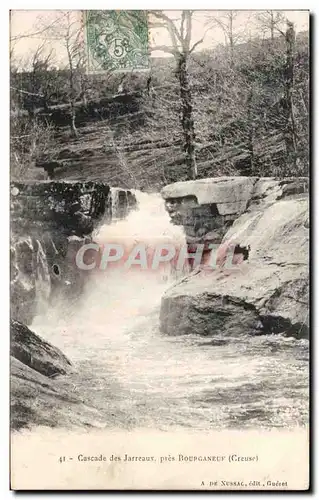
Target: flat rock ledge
264, 292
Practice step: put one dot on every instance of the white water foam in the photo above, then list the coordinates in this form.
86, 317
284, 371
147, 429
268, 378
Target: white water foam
136, 377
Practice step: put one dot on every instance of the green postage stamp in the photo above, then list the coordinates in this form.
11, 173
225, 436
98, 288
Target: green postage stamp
116, 40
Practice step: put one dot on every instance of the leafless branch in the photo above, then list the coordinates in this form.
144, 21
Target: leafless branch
199, 41
196, 45
182, 24
25, 92
171, 28
170, 24
188, 34
271, 20
36, 33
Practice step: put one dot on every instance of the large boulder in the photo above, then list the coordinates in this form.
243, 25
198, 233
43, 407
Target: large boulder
265, 292
208, 207
44, 215
37, 400
36, 353
41, 391
43, 270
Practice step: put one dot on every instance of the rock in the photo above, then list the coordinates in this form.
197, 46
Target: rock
67, 280
42, 263
220, 190
84, 224
38, 396
212, 205
268, 293
50, 204
29, 272
50, 221
36, 353
40, 401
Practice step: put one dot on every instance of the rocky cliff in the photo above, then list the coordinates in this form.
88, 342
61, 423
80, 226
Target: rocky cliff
50, 221
263, 224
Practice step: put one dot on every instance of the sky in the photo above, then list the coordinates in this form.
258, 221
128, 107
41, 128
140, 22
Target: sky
27, 22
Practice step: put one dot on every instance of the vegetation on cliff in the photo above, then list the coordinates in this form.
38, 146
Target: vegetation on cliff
243, 111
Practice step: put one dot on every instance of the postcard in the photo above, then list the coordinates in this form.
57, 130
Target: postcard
159, 220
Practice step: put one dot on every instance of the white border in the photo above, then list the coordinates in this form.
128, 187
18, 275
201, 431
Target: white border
4, 198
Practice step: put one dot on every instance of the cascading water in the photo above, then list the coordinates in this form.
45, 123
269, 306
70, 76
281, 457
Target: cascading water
115, 202
134, 376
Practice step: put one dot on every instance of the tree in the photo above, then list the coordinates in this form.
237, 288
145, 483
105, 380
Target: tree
274, 21
226, 23
69, 32
39, 83
29, 136
288, 107
72, 49
271, 22
181, 48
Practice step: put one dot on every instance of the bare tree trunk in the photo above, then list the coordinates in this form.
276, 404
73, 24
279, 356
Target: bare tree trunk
290, 129
231, 39
83, 98
74, 131
272, 26
251, 131
187, 116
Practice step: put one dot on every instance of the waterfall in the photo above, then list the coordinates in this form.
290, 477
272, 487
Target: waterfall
119, 297
115, 203
114, 193
115, 293
135, 376
149, 225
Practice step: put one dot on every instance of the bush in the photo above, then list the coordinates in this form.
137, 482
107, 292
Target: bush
29, 140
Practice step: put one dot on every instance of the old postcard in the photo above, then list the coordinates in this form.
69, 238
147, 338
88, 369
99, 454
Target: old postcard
159, 250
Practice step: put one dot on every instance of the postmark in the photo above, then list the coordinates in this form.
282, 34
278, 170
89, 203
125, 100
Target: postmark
116, 40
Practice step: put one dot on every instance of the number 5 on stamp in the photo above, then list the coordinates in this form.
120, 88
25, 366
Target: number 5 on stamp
116, 40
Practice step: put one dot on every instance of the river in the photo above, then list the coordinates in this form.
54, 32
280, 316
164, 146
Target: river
136, 377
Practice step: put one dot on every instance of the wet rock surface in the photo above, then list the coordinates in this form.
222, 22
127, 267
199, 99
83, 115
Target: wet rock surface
262, 289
